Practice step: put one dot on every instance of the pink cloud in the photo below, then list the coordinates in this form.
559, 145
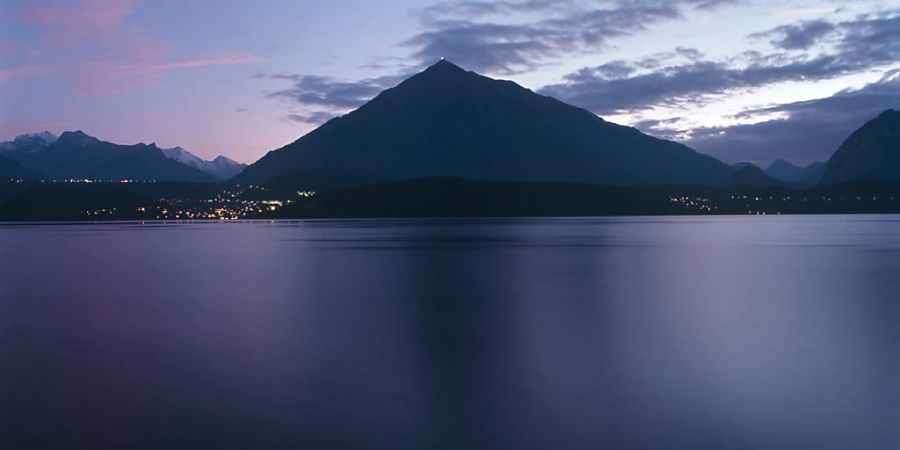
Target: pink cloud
68, 22
10, 49
8, 73
127, 74
97, 45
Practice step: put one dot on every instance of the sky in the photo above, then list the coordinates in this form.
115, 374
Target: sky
741, 80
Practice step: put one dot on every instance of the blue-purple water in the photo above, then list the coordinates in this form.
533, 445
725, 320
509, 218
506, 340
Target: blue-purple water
621, 333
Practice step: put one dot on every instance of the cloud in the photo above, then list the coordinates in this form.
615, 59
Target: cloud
712, 4
129, 72
475, 9
329, 92
322, 97
315, 117
67, 22
100, 46
867, 43
810, 130
798, 37
606, 91
504, 37
9, 73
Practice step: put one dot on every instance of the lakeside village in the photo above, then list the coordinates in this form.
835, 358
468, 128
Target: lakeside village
228, 204
203, 203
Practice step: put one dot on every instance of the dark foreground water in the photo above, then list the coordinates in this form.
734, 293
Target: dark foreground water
638, 333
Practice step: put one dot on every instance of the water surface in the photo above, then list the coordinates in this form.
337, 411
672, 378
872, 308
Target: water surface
619, 333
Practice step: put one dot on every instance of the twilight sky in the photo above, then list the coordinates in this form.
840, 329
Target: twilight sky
737, 79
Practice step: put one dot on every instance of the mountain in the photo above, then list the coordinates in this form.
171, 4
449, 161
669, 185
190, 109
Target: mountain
871, 153
76, 155
750, 176
791, 173
446, 121
221, 168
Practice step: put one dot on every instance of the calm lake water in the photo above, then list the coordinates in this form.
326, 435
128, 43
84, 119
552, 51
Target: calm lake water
619, 333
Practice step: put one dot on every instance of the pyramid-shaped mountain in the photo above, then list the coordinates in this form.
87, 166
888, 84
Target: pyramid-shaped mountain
871, 153
446, 121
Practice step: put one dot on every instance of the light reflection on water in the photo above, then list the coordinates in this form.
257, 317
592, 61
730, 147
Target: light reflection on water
725, 332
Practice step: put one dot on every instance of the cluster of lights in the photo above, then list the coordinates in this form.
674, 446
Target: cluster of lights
102, 212
227, 204
701, 204
92, 181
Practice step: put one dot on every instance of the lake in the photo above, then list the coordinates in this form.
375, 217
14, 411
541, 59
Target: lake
776, 332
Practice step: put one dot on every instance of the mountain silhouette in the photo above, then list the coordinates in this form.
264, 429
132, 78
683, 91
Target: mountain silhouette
751, 176
76, 155
809, 175
871, 153
446, 121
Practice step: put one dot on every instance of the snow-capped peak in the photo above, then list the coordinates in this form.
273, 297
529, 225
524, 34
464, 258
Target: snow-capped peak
222, 168
31, 142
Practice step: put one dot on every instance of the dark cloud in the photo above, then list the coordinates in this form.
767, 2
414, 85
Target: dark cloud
871, 40
315, 117
322, 98
798, 37
604, 91
690, 53
874, 36
712, 4
811, 130
464, 32
329, 92
867, 43
475, 9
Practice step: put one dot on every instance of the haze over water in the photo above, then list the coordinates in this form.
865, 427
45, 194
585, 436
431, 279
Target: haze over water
637, 333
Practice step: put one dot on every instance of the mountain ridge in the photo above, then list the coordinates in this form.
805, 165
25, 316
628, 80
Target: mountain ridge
871, 153
221, 167
77, 155
751, 176
808, 175
25, 149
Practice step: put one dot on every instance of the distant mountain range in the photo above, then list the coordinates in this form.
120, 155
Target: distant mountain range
222, 168
76, 155
751, 176
806, 176
871, 153
446, 121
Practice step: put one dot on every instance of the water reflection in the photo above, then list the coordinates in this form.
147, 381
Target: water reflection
752, 333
